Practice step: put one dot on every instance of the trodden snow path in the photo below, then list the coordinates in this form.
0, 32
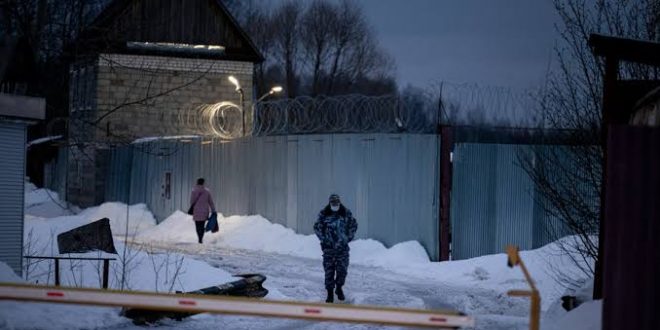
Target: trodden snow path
301, 279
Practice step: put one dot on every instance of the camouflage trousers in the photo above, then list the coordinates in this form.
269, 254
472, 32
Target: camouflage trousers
335, 264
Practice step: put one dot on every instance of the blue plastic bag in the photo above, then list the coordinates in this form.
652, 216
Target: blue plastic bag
212, 224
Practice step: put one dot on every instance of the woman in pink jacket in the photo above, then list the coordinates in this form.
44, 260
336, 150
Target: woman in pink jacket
201, 203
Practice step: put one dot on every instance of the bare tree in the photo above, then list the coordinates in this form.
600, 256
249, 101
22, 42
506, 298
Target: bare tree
319, 20
568, 178
323, 47
349, 27
286, 24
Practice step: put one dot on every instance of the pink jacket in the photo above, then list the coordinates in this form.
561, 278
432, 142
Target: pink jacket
204, 203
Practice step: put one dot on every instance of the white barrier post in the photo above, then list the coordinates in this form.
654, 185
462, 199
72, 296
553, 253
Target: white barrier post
236, 305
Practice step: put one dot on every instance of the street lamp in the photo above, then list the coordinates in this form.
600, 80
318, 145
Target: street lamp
274, 90
239, 90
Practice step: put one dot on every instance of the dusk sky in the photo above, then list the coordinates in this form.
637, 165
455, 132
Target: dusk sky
503, 43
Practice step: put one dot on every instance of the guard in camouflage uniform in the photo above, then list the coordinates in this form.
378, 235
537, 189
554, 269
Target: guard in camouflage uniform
335, 227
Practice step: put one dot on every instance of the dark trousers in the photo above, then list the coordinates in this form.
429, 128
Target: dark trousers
335, 264
199, 226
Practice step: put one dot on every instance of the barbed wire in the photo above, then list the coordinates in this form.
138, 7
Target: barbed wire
475, 104
340, 114
223, 119
445, 103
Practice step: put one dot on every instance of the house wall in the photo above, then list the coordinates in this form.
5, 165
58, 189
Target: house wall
117, 98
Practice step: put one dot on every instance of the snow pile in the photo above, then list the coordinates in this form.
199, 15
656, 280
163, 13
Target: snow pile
492, 273
27, 315
7, 274
135, 218
249, 232
585, 317
489, 273
145, 269
257, 233
44, 203
139, 218
373, 253
487, 278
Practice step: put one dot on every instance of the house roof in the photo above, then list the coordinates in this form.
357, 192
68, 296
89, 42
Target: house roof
22, 107
193, 22
630, 50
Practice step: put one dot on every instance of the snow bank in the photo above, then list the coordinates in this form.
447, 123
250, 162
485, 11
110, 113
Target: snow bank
44, 203
373, 253
7, 274
139, 218
26, 315
241, 232
492, 273
257, 233
585, 317
135, 218
488, 272
145, 269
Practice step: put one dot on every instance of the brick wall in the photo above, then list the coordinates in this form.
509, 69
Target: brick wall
148, 95
139, 96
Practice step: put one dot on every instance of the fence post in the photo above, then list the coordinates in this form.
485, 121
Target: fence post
57, 272
106, 269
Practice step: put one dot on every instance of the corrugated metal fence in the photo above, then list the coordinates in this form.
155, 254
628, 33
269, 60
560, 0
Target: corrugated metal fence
494, 202
55, 173
12, 153
390, 181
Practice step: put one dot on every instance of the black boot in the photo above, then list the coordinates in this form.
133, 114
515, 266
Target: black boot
340, 294
331, 297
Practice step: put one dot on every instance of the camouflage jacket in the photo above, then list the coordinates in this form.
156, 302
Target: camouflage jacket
335, 229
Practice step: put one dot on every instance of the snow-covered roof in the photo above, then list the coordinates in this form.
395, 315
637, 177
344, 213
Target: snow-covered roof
173, 137
177, 47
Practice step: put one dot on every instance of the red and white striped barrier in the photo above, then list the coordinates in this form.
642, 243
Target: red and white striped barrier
234, 305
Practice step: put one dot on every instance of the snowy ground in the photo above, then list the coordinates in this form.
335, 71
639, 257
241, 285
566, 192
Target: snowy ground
399, 276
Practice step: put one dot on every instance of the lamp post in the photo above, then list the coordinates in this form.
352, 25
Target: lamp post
240, 92
274, 90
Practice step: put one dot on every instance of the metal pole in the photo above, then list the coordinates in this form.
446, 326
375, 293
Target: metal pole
106, 269
240, 92
446, 145
609, 107
57, 272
